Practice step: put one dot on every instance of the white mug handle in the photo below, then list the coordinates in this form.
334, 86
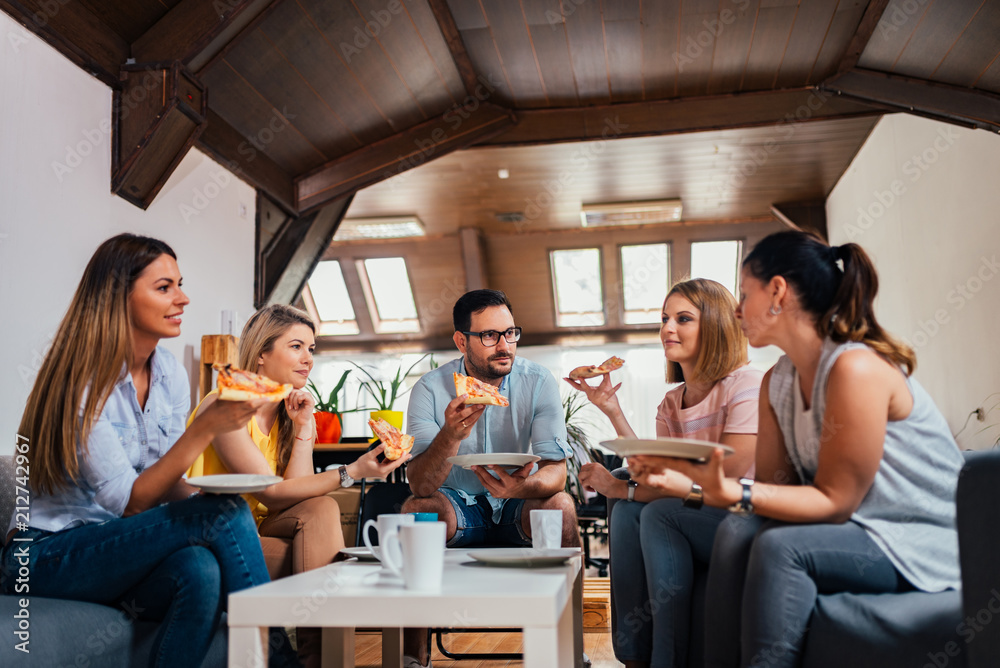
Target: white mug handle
390, 548
364, 534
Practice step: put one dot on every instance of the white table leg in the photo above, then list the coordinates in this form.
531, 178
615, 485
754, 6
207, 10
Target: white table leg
392, 648
578, 619
338, 647
551, 647
246, 647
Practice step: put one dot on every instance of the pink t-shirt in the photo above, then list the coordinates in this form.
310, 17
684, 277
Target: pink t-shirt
729, 408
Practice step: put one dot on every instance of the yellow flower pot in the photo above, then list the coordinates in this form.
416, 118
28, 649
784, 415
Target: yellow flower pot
395, 418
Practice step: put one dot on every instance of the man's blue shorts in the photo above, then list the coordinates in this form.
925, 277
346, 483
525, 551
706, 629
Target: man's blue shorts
475, 525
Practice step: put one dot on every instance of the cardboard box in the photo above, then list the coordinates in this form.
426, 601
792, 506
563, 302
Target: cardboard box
349, 501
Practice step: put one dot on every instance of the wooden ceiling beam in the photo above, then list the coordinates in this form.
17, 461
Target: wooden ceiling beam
942, 102
869, 22
455, 129
665, 117
72, 30
238, 154
453, 38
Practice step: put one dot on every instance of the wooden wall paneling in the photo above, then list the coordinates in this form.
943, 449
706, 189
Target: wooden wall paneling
75, 32
324, 68
341, 26
407, 53
662, 53
870, 23
623, 43
939, 101
128, 18
587, 51
258, 60
265, 127
990, 80
813, 19
399, 153
736, 26
457, 75
843, 29
516, 52
771, 35
548, 35
892, 35
806, 216
696, 43
482, 52
188, 29
971, 54
935, 37
230, 148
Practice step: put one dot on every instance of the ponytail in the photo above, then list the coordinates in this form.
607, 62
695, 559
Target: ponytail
837, 285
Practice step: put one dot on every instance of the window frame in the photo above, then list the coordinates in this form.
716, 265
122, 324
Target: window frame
556, 313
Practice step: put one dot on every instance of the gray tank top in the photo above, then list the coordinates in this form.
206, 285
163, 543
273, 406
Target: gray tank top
910, 509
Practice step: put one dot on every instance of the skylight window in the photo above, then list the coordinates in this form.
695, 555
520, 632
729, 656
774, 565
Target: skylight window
327, 300
645, 278
719, 261
389, 294
576, 283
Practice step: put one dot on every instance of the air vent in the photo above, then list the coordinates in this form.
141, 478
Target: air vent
509, 217
631, 213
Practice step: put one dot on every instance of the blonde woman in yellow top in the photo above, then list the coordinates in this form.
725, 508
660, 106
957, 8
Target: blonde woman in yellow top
299, 524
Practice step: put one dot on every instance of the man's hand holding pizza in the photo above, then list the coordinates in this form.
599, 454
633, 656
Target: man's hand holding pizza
459, 418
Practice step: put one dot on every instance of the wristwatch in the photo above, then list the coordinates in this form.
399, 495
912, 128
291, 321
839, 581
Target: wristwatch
695, 498
632, 484
744, 506
345, 479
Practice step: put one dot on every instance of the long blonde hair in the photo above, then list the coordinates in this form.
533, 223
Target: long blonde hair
722, 343
90, 351
259, 334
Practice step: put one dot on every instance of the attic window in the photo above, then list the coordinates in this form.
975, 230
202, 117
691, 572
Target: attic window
645, 278
719, 261
389, 294
576, 284
328, 302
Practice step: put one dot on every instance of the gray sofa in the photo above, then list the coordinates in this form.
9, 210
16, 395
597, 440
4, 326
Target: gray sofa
73, 633
951, 629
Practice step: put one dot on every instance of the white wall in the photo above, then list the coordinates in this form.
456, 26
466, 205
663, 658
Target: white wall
54, 115
922, 198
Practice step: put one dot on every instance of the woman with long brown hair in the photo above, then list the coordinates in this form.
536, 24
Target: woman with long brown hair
299, 524
856, 467
661, 534
110, 518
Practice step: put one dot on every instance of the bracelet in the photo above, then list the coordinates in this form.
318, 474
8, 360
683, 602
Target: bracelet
308, 438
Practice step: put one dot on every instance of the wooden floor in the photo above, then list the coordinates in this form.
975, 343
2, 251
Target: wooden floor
368, 649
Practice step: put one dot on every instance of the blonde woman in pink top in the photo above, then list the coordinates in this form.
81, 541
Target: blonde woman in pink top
663, 535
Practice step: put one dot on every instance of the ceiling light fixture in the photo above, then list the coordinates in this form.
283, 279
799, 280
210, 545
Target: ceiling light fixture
631, 213
354, 229
503, 173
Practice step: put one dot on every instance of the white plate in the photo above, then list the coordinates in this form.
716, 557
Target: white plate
509, 459
524, 556
362, 553
233, 483
684, 448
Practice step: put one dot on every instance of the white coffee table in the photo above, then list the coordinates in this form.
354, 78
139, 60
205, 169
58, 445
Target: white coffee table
547, 603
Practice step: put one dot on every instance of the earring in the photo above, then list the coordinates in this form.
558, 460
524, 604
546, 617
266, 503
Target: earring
774, 310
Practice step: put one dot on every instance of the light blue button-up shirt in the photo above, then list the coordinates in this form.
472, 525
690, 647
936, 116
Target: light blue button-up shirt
534, 422
125, 440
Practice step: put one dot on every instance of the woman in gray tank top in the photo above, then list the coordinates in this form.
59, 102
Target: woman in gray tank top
856, 467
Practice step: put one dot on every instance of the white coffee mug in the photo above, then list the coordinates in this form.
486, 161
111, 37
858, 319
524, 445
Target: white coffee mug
386, 525
546, 529
416, 554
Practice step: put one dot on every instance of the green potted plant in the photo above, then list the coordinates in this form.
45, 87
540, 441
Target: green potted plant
385, 393
576, 435
328, 411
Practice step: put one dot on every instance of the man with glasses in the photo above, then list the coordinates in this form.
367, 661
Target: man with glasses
488, 504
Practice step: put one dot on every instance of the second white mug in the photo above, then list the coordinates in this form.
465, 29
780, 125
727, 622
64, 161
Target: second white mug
386, 525
416, 554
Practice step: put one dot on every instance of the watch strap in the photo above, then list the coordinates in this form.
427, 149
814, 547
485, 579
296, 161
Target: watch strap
632, 484
345, 478
695, 498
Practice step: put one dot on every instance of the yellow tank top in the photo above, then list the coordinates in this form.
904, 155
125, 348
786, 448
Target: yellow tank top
208, 462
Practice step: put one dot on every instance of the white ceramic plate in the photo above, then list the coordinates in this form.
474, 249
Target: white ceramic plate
233, 483
684, 448
524, 557
362, 553
508, 459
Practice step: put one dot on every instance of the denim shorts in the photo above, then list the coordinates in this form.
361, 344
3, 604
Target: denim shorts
475, 525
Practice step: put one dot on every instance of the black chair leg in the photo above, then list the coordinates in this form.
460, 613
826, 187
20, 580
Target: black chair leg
510, 656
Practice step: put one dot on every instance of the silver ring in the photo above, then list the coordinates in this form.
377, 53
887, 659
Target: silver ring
465, 426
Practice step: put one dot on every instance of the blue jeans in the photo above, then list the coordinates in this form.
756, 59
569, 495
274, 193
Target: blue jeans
764, 580
475, 525
176, 563
655, 548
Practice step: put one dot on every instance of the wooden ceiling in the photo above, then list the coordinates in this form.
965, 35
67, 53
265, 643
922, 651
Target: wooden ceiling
312, 101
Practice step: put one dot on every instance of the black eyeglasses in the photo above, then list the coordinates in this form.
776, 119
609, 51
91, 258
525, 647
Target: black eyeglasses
491, 337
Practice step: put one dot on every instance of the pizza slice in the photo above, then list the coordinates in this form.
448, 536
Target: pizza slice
396, 442
239, 385
607, 366
478, 392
